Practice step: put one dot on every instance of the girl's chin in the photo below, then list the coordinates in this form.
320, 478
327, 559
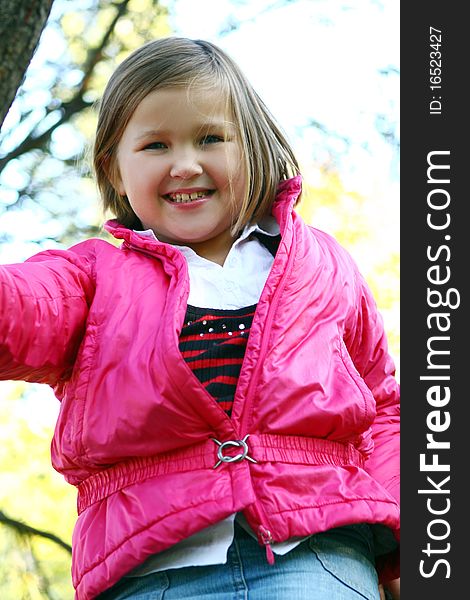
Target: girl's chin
189, 239
184, 240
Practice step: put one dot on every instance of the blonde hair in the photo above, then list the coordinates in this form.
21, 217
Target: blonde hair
181, 62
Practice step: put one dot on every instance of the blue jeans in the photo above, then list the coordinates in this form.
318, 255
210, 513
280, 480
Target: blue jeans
335, 565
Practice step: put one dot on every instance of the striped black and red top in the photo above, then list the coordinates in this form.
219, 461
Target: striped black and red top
213, 343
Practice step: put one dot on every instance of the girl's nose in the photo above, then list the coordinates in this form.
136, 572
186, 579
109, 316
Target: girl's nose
185, 166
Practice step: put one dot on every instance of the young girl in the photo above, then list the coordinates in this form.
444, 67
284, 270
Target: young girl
229, 413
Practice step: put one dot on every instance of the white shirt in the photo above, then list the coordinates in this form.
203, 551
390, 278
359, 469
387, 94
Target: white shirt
236, 284
240, 281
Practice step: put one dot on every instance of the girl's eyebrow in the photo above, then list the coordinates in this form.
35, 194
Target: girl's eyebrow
203, 126
151, 133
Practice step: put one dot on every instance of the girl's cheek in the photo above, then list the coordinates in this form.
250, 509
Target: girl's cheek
233, 167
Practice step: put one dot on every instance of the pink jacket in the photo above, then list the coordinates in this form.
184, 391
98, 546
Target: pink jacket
316, 397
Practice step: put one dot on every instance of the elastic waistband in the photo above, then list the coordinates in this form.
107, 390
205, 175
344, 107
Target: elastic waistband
261, 449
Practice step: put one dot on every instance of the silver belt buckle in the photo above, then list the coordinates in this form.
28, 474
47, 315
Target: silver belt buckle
233, 444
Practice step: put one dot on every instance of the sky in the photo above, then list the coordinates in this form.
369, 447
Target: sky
311, 58
308, 59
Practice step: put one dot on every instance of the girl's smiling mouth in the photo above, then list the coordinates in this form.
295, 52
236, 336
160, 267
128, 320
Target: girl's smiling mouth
186, 197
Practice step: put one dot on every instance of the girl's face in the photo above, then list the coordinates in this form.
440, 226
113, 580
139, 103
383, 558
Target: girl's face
180, 166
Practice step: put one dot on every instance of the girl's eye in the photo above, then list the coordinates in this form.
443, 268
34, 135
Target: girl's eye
211, 139
155, 146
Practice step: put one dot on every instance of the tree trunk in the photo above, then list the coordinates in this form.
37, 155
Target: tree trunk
21, 24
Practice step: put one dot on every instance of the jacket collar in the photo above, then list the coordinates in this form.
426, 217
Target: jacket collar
289, 190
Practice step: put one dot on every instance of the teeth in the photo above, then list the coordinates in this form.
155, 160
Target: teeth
183, 198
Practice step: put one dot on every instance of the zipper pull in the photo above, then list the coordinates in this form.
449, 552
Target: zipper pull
267, 539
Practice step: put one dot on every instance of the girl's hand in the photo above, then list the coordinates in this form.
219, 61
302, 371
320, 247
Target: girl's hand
393, 590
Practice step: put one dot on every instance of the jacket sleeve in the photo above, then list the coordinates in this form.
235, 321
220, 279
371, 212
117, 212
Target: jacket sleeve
366, 342
44, 304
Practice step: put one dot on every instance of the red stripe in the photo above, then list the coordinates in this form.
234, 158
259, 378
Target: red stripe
205, 363
207, 318
222, 317
222, 379
190, 353
226, 405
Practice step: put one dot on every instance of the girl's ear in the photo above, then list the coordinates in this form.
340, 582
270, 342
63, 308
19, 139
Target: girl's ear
112, 173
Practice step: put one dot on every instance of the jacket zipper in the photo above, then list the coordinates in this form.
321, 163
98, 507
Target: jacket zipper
263, 533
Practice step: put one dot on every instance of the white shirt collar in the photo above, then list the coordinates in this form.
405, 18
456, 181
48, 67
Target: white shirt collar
239, 282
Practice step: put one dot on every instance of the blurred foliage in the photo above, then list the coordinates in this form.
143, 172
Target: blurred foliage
46, 137
31, 492
44, 169
329, 205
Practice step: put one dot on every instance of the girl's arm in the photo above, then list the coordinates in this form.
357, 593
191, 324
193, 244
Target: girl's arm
43, 308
